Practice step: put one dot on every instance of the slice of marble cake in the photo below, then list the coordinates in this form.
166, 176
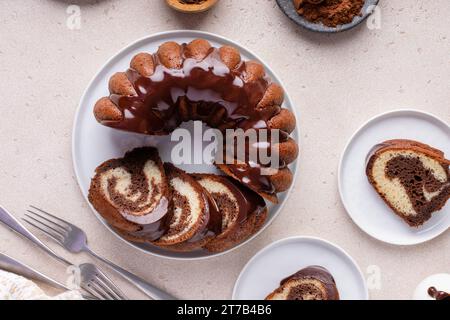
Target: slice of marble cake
411, 177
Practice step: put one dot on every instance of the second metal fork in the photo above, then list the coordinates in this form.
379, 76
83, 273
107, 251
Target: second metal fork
74, 240
92, 279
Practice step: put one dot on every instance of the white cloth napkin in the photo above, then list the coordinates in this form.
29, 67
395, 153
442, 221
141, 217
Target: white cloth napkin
14, 287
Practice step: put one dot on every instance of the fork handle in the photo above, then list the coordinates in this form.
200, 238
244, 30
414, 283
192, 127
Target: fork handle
12, 265
10, 221
150, 290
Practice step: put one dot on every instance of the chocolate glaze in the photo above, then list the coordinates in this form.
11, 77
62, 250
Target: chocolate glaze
201, 90
213, 222
318, 273
438, 295
153, 231
249, 202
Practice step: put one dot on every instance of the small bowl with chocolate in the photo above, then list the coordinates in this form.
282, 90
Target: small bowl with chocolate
191, 6
329, 16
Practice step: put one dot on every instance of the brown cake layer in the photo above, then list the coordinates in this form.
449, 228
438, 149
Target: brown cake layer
426, 193
196, 81
311, 283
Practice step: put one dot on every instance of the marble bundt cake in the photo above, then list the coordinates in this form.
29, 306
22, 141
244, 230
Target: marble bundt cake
311, 283
196, 81
196, 219
411, 177
243, 211
132, 194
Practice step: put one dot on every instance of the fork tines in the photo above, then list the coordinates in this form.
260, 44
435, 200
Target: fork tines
94, 280
45, 222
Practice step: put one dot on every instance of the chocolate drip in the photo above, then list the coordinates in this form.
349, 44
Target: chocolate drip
201, 90
213, 223
153, 231
416, 178
248, 202
438, 295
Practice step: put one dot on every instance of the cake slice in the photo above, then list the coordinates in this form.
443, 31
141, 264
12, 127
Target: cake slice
311, 283
411, 177
243, 211
132, 194
195, 220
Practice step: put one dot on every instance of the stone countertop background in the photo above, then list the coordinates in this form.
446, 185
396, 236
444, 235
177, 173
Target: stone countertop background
337, 82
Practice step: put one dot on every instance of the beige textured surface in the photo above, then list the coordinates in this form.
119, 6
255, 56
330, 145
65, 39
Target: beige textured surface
336, 81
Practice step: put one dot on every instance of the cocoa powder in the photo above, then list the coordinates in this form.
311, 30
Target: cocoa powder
329, 12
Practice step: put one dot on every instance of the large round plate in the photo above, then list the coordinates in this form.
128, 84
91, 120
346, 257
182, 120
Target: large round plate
362, 203
287, 6
263, 273
93, 143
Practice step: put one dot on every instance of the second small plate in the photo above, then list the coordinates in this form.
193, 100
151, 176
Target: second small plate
268, 267
362, 203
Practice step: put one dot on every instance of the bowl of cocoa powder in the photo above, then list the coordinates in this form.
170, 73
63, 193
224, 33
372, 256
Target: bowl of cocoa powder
328, 15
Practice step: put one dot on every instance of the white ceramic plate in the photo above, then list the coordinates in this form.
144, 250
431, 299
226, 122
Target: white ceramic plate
93, 143
263, 273
440, 281
361, 201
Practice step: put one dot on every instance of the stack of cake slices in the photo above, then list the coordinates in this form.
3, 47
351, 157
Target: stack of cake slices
151, 202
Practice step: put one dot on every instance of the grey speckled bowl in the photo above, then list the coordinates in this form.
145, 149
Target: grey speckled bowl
287, 6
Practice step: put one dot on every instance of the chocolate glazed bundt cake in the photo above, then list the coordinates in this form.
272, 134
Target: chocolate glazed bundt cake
311, 283
196, 81
411, 177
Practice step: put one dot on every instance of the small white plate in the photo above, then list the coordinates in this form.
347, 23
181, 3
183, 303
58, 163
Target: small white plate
440, 281
93, 143
279, 260
362, 203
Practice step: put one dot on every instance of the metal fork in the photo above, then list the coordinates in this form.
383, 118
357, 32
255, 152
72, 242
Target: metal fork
74, 240
92, 279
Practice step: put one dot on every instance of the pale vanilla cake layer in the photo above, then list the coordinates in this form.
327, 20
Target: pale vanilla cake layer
393, 189
189, 221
